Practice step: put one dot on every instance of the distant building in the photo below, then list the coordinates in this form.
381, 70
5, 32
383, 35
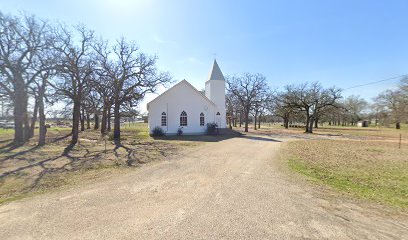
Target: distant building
183, 106
363, 123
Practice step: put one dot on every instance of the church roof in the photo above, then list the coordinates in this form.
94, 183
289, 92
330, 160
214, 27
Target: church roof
215, 73
177, 85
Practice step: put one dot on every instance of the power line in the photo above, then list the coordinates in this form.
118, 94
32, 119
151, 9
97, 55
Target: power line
382, 80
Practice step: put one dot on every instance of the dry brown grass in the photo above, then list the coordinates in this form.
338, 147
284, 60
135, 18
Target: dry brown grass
371, 133
368, 169
364, 162
29, 170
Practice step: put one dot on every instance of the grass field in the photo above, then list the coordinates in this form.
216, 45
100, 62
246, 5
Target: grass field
367, 132
30, 170
367, 169
363, 162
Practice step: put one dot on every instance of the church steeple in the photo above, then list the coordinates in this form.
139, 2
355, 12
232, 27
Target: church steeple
215, 73
215, 91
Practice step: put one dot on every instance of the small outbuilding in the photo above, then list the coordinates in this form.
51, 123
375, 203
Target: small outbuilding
363, 123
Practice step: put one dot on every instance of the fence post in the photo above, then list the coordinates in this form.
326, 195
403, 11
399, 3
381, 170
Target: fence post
400, 139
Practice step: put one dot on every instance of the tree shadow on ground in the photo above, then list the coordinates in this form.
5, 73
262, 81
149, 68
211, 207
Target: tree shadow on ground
138, 152
130, 158
61, 138
19, 153
258, 138
48, 166
11, 146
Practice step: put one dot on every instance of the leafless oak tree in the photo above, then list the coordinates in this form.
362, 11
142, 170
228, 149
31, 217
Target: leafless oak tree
247, 88
74, 67
21, 42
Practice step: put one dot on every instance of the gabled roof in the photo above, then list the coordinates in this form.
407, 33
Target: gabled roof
178, 84
215, 73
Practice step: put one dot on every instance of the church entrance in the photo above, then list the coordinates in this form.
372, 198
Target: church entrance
218, 119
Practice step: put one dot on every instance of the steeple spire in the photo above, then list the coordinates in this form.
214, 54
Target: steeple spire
215, 73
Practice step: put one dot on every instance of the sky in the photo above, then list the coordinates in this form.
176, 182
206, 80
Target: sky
340, 43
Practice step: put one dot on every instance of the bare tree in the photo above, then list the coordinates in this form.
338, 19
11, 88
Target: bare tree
395, 102
74, 66
355, 105
311, 99
260, 105
246, 88
278, 106
42, 85
21, 41
132, 74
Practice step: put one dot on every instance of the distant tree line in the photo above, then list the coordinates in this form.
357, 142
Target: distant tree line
250, 99
43, 63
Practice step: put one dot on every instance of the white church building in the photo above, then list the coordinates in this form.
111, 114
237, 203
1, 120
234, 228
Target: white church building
183, 106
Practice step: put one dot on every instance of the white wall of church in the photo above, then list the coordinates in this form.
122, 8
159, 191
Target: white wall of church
181, 98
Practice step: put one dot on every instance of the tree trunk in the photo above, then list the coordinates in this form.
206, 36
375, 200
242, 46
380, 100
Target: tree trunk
398, 125
41, 113
316, 122
82, 119
19, 111
88, 121
240, 119
26, 121
246, 120
96, 116
116, 119
109, 118
255, 121
76, 114
259, 122
104, 119
18, 123
311, 122
286, 121
307, 121
34, 118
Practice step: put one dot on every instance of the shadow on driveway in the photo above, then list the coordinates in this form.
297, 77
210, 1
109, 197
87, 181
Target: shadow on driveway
257, 138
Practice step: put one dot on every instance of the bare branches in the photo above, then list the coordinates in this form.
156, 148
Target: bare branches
126, 75
22, 44
311, 99
248, 89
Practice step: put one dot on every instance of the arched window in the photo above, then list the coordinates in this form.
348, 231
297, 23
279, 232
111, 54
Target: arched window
201, 119
218, 113
163, 119
183, 118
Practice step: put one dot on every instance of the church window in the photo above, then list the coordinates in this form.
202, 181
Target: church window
201, 119
218, 113
164, 119
183, 118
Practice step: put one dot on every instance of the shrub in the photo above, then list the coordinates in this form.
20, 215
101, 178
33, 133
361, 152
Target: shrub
179, 131
211, 128
157, 132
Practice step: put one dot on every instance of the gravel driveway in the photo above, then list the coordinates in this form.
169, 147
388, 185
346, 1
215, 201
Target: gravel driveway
233, 189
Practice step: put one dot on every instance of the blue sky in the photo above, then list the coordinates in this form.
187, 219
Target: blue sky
343, 43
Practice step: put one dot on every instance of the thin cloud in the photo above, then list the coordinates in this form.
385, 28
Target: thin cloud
159, 40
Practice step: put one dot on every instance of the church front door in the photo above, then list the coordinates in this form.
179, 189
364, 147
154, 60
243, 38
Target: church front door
218, 119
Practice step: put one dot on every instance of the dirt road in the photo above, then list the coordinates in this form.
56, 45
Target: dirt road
233, 189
